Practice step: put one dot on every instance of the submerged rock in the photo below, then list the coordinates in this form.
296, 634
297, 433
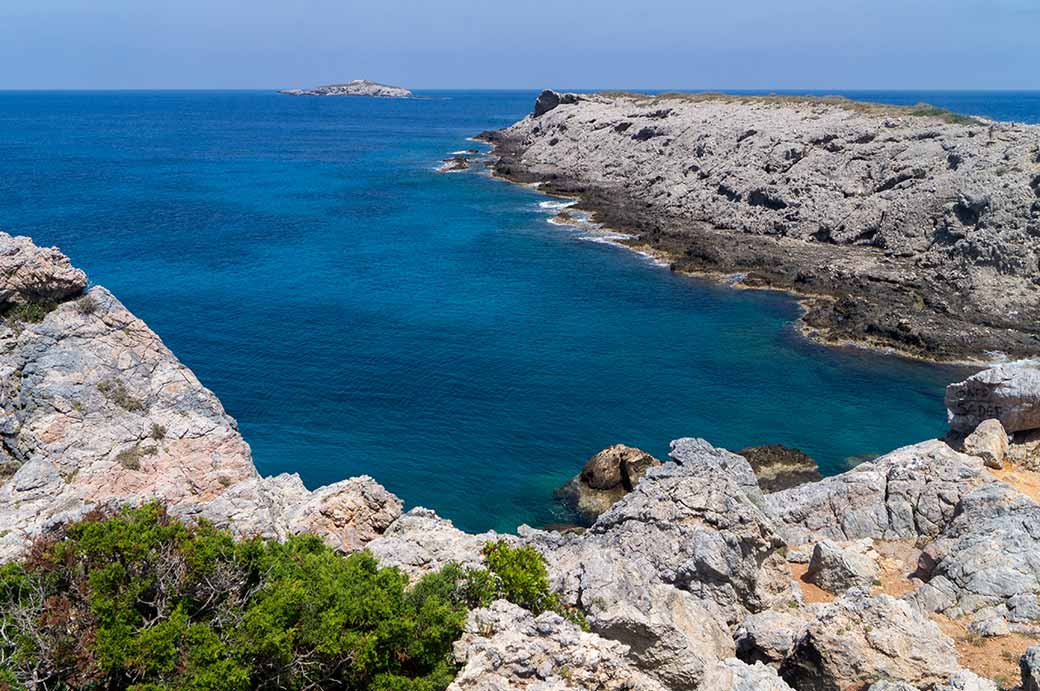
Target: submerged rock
778, 467
1008, 393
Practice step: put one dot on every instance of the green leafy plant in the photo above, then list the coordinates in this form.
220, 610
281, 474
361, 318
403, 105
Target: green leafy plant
31, 312
521, 578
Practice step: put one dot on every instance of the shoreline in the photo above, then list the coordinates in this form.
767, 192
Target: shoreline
665, 259
821, 307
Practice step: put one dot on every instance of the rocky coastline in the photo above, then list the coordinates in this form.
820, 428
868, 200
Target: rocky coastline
916, 570
908, 229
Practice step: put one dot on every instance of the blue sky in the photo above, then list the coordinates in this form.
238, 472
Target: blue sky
769, 44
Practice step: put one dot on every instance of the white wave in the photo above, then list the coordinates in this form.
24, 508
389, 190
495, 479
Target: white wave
557, 205
464, 152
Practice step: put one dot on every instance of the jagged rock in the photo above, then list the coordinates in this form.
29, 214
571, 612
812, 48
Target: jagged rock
913, 225
1024, 450
1008, 393
989, 442
95, 412
768, 636
964, 680
605, 478
838, 567
420, 541
506, 647
546, 101
986, 563
858, 640
779, 467
1030, 666
908, 493
357, 87
29, 273
735, 675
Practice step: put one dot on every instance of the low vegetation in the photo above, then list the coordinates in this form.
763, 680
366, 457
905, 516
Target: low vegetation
117, 392
30, 312
140, 601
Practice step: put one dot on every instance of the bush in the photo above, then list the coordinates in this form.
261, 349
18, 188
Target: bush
139, 601
32, 312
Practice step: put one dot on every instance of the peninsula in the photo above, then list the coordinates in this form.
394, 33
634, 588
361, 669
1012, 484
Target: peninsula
906, 228
358, 87
914, 571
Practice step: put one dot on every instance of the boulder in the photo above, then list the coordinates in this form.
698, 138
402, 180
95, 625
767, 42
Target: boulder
768, 636
546, 101
858, 640
605, 478
837, 567
779, 467
506, 647
963, 680
32, 274
1030, 666
735, 675
989, 442
1009, 393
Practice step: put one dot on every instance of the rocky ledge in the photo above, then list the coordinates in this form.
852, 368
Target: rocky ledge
905, 227
917, 570
358, 87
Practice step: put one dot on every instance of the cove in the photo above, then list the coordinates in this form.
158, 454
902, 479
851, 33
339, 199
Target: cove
360, 313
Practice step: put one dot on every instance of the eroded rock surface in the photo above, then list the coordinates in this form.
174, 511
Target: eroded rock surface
837, 567
30, 274
922, 229
1008, 393
605, 478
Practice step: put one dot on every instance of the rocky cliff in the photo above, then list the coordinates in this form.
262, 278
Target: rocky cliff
909, 228
918, 570
358, 87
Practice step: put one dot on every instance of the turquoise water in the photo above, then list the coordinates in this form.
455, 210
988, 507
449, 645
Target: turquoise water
358, 312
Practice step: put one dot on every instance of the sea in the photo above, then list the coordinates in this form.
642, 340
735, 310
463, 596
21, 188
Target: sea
359, 312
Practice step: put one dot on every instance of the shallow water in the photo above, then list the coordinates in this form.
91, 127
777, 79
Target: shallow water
358, 312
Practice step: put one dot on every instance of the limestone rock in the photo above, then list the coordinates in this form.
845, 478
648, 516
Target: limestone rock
1009, 393
989, 442
1030, 666
964, 680
30, 274
768, 636
837, 567
735, 675
986, 562
506, 647
920, 226
908, 493
605, 478
420, 542
779, 467
858, 640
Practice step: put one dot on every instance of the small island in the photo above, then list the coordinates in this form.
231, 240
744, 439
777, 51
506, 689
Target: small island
358, 87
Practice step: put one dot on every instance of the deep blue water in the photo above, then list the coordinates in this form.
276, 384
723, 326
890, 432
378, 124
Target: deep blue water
358, 312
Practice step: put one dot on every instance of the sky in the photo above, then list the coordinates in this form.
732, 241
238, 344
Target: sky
521, 44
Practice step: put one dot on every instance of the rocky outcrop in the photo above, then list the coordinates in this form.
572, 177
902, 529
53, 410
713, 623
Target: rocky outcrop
96, 412
838, 567
605, 478
778, 467
769, 636
909, 493
1030, 666
358, 87
35, 274
859, 639
986, 562
506, 647
1008, 393
910, 227
989, 442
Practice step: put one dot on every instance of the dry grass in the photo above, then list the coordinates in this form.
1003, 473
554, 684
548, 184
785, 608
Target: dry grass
994, 658
921, 110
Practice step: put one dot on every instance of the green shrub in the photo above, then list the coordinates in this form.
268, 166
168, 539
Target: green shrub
521, 578
32, 312
138, 601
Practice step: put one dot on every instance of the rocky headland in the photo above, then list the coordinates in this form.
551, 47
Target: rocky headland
907, 228
357, 87
917, 570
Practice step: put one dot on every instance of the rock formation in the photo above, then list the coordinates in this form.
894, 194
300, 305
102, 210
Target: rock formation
778, 467
1009, 394
358, 87
909, 227
605, 478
